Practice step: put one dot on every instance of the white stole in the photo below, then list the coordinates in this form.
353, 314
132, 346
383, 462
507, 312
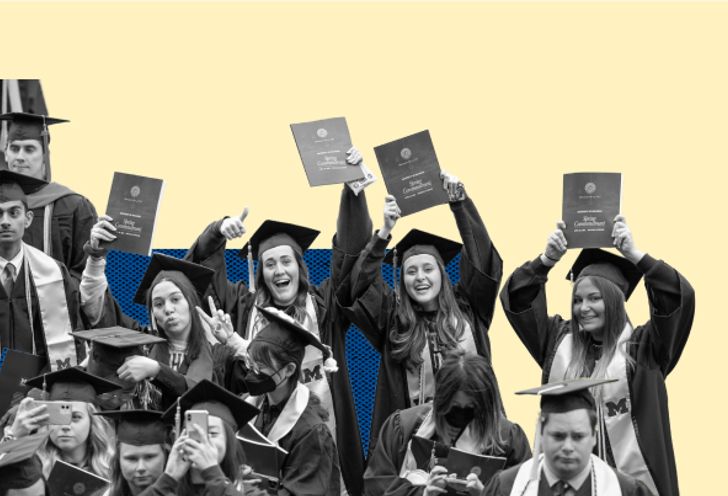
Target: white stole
604, 479
291, 412
615, 405
48, 280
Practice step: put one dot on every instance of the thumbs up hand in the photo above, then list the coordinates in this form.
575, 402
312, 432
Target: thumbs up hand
232, 227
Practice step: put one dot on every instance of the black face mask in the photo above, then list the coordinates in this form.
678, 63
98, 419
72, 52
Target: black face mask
460, 417
259, 383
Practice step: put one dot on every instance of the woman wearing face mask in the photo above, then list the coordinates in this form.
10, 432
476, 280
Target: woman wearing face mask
171, 290
88, 441
205, 464
466, 413
599, 341
425, 318
290, 415
282, 281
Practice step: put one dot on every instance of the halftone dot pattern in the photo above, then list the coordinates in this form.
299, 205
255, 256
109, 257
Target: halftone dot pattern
124, 272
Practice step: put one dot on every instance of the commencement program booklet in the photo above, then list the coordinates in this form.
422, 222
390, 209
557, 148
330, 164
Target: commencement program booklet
323, 145
591, 202
411, 172
68, 480
263, 455
133, 205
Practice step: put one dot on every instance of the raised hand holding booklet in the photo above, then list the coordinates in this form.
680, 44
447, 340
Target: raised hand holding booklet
411, 172
133, 205
591, 202
323, 145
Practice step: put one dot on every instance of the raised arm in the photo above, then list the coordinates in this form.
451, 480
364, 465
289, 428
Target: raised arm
524, 298
481, 267
671, 299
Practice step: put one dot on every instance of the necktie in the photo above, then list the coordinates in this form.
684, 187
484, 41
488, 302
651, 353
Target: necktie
561, 488
8, 278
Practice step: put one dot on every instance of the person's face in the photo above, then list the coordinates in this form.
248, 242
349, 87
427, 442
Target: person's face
141, 466
589, 307
216, 433
26, 157
567, 441
14, 220
462, 407
280, 274
170, 308
69, 437
422, 280
278, 372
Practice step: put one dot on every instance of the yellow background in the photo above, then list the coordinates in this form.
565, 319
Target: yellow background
513, 94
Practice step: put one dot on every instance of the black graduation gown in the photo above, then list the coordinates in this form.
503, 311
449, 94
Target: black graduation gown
370, 305
502, 484
310, 468
385, 463
353, 229
655, 347
14, 316
73, 217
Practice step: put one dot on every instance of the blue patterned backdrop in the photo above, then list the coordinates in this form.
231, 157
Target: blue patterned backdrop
124, 271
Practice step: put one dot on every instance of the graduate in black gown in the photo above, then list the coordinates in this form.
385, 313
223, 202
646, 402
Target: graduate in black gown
563, 464
39, 302
425, 317
290, 414
600, 341
63, 218
466, 413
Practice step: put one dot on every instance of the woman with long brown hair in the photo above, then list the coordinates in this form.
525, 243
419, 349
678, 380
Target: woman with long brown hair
466, 413
415, 326
600, 341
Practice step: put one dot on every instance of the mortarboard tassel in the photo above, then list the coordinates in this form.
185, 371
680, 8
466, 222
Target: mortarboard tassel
177, 420
251, 272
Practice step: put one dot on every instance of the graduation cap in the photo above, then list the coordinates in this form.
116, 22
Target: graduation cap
24, 126
272, 233
198, 275
217, 401
20, 468
561, 397
138, 427
618, 270
418, 242
72, 384
16, 187
111, 346
565, 396
287, 333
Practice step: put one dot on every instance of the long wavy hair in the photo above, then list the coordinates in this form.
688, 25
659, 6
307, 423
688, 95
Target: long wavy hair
473, 375
265, 299
231, 464
119, 486
409, 333
615, 318
99, 447
196, 338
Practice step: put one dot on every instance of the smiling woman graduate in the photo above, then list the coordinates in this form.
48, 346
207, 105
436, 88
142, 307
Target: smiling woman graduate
599, 341
426, 317
282, 281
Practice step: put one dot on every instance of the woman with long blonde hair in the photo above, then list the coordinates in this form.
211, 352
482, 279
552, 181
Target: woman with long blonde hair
600, 341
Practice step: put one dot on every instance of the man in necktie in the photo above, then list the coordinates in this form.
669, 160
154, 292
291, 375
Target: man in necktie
565, 465
39, 302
